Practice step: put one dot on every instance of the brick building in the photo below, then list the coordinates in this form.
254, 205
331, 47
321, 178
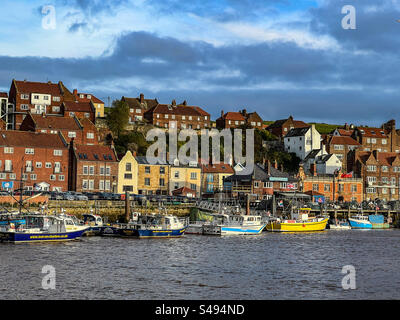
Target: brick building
40, 159
83, 131
341, 146
230, 120
380, 172
36, 97
281, 127
138, 106
181, 116
87, 97
252, 119
92, 168
79, 109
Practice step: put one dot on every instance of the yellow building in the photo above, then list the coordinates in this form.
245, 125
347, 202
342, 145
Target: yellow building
128, 174
185, 176
152, 178
97, 103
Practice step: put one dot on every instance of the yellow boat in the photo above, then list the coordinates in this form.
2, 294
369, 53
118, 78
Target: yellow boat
300, 223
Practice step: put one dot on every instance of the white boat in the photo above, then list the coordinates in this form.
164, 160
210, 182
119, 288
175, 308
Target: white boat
225, 224
195, 227
339, 226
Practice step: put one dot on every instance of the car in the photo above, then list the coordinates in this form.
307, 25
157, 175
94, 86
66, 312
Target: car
105, 196
81, 197
69, 196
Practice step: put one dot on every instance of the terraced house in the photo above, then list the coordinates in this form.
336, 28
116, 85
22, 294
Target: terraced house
88, 97
36, 97
39, 159
179, 116
138, 106
128, 174
92, 168
380, 172
83, 130
152, 178
213, 176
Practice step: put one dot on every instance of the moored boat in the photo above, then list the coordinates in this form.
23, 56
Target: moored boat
378, 221
360, 222
233, 224
300, 222
339, 225
42, 228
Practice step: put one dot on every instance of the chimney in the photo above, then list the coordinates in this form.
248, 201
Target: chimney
244, 113
313, 169
134, 153
141, 98
173, 102
269, 167
75, 92
346, 126
275, 164
376, 154
222, 113
281, 167
184, 103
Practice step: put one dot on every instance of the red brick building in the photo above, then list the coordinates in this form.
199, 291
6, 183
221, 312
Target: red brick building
36, 97
280, 128
182, 115
342, 146
230, 120
40, 159
138, 106
79, 109
92, 168
83, 130
252, 119
87, 97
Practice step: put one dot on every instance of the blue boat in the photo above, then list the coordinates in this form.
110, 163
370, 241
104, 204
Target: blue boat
360, 222
42, 228
7, 218
154, 226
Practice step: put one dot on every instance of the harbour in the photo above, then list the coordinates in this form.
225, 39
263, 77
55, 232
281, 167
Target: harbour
268, 266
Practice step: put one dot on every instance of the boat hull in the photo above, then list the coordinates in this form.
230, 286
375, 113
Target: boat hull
144, 233
21, 237
339, 227
380, 225
224, 230
277, 226
360, 224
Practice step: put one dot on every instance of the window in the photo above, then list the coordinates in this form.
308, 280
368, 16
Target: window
341, 187
91, 170
108, 185
338, 147
371, 168
146, 169
3, 176
193, 175
101, 185
108, 171
193, 186
102, 171
71, 134
255, 184
373, 140
315, 186
57, 152
91, 184
52, 177
33, 176
183, 117
45, 97
8, 165
90, 135
8, 150
166, 116
268, 185
384, 190
29, 151
36, 97
25, 96
56, 99
24, 107
176, 174
138, 110
85, 170
87, 115
371, 179
13, 176
162, 182
162, 170
84, 184
190, 117
384, 141
61, 177
327, 187
353, 188
48, 165
385, 168
56, 109
128, 176
146, 181
128, 167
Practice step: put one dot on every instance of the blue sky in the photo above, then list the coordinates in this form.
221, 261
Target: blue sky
277, 57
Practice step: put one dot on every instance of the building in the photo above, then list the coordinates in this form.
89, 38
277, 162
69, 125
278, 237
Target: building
180, 116
346, 131
92, 168
184, 192
83, 131
39, 159
138, 106
87, 97
341, 146
252, 119
262, 183
331, 187
36, 97
152, 178
80, 110
280, 128
4, 108
128, 174
302, 141
213, 176
380, 172
230, 120
185, 176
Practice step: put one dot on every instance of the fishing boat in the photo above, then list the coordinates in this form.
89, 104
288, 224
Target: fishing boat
113, 229
339, 225
300, 222
360, 222
154, 226
227, 224
94, 222
15, 218
378, 221
42, 228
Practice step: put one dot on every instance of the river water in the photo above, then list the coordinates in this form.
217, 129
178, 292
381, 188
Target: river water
268, 266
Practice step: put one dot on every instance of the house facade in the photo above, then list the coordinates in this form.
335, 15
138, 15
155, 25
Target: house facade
128, 174
92, 168
80, 110
280, 128
185, 176
213, 176
40, 160
153, 178
138, 106
87, 97
302, 141
341, 147
230, 120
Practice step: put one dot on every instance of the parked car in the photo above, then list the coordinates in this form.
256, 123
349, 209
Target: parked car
69, 196
81, 197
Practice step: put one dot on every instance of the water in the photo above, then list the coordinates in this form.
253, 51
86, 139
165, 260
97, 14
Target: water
269, 266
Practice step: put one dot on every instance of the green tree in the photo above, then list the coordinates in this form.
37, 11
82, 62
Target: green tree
118, 117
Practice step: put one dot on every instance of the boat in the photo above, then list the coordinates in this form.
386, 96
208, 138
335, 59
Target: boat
339, 225
378, 221
231, 224
197, 220
300, 222
94, 222
360, 222
42, 228
112, 229
154, 226
7, 218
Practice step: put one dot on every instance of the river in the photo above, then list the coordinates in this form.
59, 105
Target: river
268, 266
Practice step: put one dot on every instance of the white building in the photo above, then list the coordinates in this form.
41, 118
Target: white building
327, 164
302, 141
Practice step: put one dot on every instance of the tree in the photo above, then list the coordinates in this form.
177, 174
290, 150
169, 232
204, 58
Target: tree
118, 117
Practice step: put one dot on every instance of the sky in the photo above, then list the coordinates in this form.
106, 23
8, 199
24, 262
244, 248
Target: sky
276, 57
